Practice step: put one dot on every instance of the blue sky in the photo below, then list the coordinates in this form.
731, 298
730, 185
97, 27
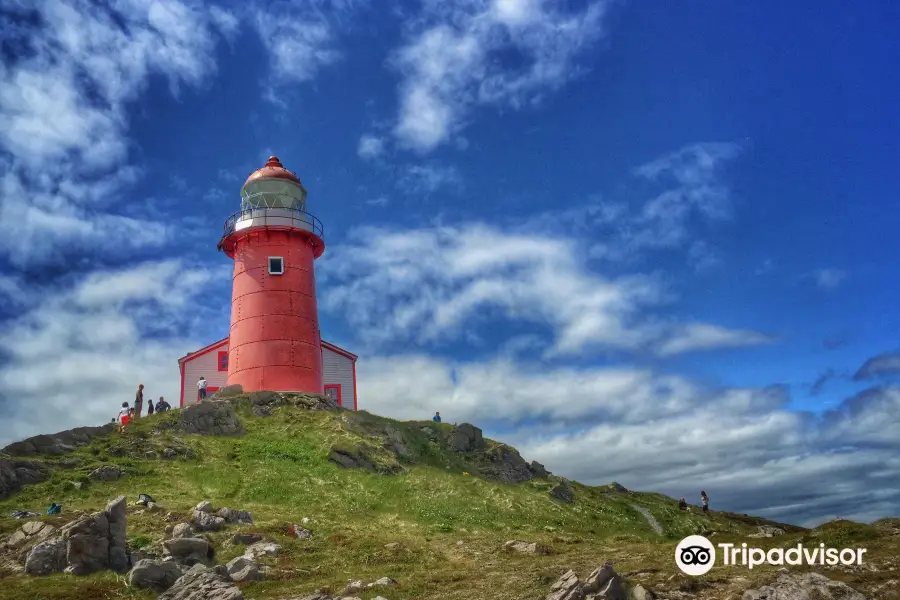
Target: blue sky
596, 229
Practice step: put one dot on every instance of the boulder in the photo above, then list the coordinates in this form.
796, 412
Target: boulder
617, 487
526, 547
154, 574
262, 549
106, 473
235, 516
564, 491
465, 438
182, 530
200, 583
301, 533
538, 470
46, 557
118, 541
203, 521
506, 465
190, 551
766, 531
791, 586
205, 506
243, 568
87, 544
213, 417
16, 473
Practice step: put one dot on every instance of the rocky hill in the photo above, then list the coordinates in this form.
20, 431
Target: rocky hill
286, 496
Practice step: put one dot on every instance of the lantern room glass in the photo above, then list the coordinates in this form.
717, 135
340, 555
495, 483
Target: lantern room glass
273, 193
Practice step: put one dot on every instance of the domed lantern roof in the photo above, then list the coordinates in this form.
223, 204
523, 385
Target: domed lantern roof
273, 186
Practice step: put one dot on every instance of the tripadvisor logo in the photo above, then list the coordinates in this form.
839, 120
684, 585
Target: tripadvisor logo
695, 555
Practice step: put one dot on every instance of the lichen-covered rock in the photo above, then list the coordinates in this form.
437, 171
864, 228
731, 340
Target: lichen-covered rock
245, 539
213, 417
205, 506
358, 458
87, 544
118, 541
262, 549
202, 521
465, 438
566, 587
506, 465
598, 579
243, 568
106, 473
200, 583
231, 515
46, 557
154, 574
790, 586
182, 530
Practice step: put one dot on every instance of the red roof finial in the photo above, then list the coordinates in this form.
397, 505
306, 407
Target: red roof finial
274, 162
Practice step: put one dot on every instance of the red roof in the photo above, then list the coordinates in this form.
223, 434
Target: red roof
222, 342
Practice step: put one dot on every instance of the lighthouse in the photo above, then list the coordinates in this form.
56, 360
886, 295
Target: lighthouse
274, 339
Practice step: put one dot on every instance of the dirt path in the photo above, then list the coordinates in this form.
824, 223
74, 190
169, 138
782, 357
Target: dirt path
650, 518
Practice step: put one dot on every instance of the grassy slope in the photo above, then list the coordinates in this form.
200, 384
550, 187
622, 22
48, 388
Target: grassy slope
449, 524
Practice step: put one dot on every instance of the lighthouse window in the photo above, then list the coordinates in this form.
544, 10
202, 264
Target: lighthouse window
276, 265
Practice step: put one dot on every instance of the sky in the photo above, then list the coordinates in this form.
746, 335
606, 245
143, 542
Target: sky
645, 242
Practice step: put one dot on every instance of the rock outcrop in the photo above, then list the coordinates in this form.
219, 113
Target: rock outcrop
466, 438
190, 551
791, 586
16, 473
58, 443
521, 547
602, 583
506, 465
211, 417
106, 473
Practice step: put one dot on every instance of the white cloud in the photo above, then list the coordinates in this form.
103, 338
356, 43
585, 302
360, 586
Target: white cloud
428, 178
453, 61
370, 147
432, 284
662, 433
63, 118
79, 351
828, 279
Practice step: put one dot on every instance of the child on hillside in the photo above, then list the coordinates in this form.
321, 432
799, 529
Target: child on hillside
705, 500
124, 414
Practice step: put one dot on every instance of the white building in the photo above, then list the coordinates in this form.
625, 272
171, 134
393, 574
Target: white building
211, 362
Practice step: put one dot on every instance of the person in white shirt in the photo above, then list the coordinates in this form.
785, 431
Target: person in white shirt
201, 385
123, 416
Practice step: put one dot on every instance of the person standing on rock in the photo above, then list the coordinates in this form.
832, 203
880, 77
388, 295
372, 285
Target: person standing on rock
139, 401
201, 385
705, 500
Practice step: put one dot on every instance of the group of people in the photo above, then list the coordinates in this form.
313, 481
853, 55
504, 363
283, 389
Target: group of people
704, 500
128, 414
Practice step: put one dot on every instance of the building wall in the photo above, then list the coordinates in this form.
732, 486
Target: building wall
337, 370
207, 366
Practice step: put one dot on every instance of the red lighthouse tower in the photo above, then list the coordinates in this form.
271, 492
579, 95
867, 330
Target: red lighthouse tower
275, 342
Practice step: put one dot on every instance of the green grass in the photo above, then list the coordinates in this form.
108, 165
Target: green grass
450, 523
